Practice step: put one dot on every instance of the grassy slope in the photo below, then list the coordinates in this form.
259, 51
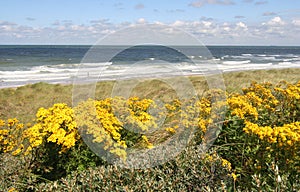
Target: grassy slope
23, 102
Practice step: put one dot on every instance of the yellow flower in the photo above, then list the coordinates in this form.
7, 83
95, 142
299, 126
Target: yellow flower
170, 130
2, 123
17, 151
226, 164
12, 122
146, 142
12, 189
234, 176
241, 107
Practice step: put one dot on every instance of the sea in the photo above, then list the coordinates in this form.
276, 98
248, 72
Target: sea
64, 64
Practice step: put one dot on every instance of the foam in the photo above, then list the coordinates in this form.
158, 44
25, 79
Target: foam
236, 62
65, 73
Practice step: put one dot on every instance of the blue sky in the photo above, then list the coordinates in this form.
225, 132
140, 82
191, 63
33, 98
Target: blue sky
216, 22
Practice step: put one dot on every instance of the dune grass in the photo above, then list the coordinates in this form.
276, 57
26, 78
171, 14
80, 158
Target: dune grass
23, 102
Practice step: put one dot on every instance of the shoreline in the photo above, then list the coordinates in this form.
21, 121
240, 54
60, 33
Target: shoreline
223, 73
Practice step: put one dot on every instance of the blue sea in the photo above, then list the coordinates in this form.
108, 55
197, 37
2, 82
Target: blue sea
24, 64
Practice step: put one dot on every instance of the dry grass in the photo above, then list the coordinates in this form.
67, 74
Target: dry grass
23, 102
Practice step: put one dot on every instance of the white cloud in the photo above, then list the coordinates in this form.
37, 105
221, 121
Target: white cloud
296, 22
226, 27
107, 31
207, 23
277, 28
207, 30
178, 23
7, 28
60, 28
158, 23
275, 21
141, 21
78, 27
242, 25
17, 35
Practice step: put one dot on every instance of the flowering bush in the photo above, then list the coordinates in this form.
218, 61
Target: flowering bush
262, 127
257, 133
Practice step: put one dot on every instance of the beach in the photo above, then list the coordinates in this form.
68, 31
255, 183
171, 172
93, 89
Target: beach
21, 65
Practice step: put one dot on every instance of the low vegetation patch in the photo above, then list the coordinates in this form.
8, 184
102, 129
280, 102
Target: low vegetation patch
252, 137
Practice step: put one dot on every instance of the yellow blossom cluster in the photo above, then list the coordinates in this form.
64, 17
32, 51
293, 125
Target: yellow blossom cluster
226, 164
240, 106
270, 112
105, 120
55, 125
261, 93
286, 135
108, 121
276, 109
10, 137
172, 114
139, 115
290, 91
211, 112
146, 142
111, 119
204, 106
95, 118
215, 158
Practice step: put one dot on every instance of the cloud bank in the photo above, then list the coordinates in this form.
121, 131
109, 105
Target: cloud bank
274, 31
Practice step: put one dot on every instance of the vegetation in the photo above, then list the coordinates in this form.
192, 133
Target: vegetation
252, 136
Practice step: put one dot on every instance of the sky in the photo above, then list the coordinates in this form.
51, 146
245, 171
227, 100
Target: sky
212, 22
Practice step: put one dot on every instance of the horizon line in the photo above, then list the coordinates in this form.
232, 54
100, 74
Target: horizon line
209, 45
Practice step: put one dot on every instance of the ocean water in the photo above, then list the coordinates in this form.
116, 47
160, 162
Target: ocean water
24, 64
